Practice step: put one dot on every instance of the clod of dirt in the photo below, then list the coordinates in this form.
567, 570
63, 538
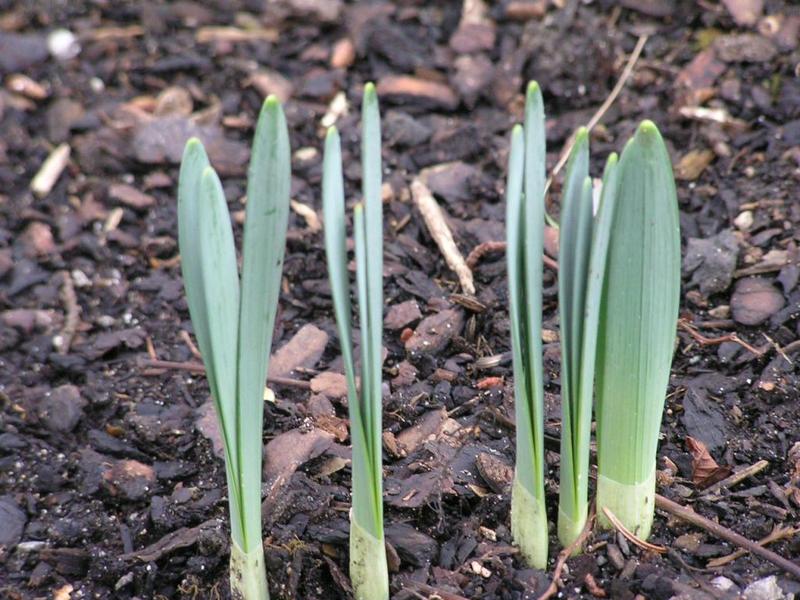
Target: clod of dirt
162, 139
37, 240
704, 418
434, 333
765, 589
755, 300
105, 342
62, 409
13, 520
402, 315
129, 479
712, 261
450, 181
401, 129
303, 350
457, 144
744, 47
60, 117
474, 74
19, 52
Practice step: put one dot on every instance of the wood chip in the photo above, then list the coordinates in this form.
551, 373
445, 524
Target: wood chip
434, 218
343, 54
745, 12
130, 196
405, 88
22, 84
207, 35
51, 170
692, 164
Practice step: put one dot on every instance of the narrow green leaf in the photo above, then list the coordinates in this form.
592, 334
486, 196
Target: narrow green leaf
333, 208
267, 215
573, 260
532, 241
366, 513
638, 315
373, 230
220, 290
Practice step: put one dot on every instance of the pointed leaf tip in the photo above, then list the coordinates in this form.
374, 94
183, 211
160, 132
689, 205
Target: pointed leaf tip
533, 87
332, 132
272, 101
369, 88
648, 132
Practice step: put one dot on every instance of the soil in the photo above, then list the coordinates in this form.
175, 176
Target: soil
111, 482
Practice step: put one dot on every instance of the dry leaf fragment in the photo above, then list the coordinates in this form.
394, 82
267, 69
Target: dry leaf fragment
705, 470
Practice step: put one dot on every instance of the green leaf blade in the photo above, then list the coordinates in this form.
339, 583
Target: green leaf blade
267, 214
638, 316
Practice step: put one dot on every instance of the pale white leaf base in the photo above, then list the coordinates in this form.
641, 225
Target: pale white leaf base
368, 571
632, 504
248, 576
529, 525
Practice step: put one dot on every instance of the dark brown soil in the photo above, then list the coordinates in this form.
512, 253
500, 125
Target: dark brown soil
110, 483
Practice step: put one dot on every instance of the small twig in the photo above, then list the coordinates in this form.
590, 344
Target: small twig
600, 112
736, 477
630, 536
195, 367
309, 215
479, 251
777, 534
151, 349
434, 219
72, 313
51, 169
552, 589
187, 339
778, 349
707, 341
688, 515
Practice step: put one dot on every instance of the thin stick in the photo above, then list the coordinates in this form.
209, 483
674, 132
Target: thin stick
707, 341
72, 310
187, 339
434, 219
600, 112
777, 534
195, 367
479, 251
688, 515
552, 589
630, 536
737, 477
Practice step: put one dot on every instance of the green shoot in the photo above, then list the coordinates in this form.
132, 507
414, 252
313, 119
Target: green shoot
638, 315
525, 236
234, 323
368, 568
582, 261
